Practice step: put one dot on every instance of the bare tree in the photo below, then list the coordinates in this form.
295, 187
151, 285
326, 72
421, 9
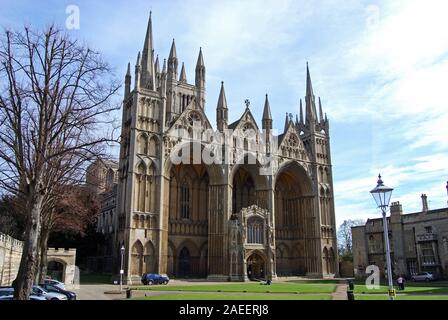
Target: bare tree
56, 95
345, 238
71, 210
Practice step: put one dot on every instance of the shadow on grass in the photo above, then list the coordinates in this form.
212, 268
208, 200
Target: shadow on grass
95, 278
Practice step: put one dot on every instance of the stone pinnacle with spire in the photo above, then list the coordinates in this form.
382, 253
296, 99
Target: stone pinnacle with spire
127, 82
267, 116
148, 73
310, 113
172, 62
222, 109
200, 71
183, 75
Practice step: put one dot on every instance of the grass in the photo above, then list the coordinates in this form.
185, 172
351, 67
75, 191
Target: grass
235, 296
93, 278
399, 297
418, 289
301, 288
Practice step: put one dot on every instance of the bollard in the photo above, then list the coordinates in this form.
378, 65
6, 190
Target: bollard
128, 294
351, 285
350, 295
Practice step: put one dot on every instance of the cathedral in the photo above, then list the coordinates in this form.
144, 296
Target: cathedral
230, 203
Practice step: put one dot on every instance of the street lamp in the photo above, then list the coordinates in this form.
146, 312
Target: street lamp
121, 267
382, 195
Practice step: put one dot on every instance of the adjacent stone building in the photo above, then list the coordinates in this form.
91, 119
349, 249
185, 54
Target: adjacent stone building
101, 175
418, 242
232, 219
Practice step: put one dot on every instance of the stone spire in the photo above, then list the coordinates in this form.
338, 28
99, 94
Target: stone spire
287, 119
183, 75
157, 65
321, 114
172, 62
267, 116
138, 67
127, 82
148, 73
222, 110
200, 71
301, 113
163, 80
311, 116
164, 67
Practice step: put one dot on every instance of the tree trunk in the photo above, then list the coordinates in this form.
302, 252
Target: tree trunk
25, 276
43, 261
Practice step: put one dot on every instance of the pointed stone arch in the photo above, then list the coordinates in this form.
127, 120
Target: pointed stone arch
153, 146
137, 258
149, 257
294, 209
142, 142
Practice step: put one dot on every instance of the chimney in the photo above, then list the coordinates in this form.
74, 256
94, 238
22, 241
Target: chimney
424, 203
396, 211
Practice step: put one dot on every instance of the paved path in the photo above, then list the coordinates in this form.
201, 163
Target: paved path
340, 293
98, 292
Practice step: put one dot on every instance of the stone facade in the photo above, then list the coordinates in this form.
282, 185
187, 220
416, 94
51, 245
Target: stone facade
222, 220
106, 225
418, 242
101, 175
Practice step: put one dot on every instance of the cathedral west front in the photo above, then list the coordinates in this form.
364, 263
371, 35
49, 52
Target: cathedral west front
229, 202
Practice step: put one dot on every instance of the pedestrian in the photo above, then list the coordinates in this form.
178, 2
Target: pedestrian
400, 282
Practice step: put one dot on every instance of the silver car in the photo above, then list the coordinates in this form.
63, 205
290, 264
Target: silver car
423, 276
41, 292
8, 294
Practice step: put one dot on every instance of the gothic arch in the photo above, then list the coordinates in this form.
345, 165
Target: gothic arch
149, 257
298, 171
249, 187
325, 262
137, 258
153, 146
294, 207
215, 172
142, 143
282, 256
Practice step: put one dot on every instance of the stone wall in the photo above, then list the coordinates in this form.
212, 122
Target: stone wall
10, 255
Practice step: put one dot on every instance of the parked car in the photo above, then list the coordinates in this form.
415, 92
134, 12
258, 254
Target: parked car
7, 293
41, 292
52, 288
154, 278
55, 283
423, 276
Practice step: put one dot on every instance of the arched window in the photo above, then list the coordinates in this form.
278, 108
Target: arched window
255, 230
141, 187
143, 144
184, 201
152, 147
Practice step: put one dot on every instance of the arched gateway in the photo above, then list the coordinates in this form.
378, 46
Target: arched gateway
195, 201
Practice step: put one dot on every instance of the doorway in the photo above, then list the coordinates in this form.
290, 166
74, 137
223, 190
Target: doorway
256, 267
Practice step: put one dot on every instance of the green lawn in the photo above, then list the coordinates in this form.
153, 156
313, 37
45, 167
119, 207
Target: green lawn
247, 287
417, 289
399, 297
235, 296
93, 278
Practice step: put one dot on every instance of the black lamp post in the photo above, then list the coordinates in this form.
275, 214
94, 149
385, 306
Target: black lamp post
121, 267
382, 195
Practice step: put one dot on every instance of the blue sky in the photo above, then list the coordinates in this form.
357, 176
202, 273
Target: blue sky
380, 67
